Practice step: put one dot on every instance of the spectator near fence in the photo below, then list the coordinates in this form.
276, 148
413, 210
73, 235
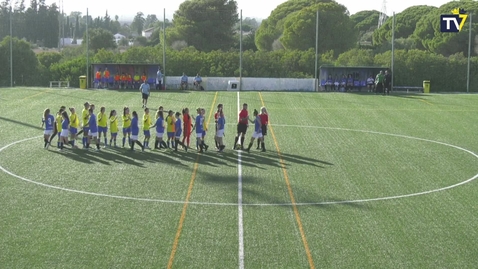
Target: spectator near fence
159, 78
184, 82
197, 82
387, 83
370, 83
379, 82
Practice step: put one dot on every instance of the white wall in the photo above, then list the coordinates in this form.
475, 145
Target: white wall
248, 84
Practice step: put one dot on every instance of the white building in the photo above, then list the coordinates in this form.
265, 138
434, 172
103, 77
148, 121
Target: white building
68, 41
118, 38
147, 32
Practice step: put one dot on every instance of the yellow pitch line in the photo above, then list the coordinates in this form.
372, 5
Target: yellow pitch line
36, 94
188, 196
291, 194
424, 101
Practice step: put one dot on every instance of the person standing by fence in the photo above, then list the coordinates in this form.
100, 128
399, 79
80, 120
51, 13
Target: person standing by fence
379, 82
387, 83
159, 79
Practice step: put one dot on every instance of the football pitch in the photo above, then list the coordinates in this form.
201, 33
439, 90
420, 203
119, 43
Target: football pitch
347, 181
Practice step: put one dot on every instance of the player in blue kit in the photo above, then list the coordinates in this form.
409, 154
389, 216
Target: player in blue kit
159, 125
257, 129
135, 131
93, 130
65, 125
199, 126
48, 121
178, 132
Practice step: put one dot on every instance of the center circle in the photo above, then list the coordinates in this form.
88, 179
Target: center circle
262, 204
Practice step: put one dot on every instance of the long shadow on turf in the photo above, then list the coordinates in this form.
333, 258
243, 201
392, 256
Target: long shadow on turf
279, 197
21, 123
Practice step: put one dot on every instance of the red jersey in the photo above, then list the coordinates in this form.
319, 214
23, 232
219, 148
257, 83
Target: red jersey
243, 115
186, 122
264, 119
98, 75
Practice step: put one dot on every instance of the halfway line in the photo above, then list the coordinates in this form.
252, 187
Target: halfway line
188, 196
291, 195
239, 202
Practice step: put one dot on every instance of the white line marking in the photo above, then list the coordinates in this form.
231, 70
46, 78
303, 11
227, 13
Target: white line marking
279, 204
239, 202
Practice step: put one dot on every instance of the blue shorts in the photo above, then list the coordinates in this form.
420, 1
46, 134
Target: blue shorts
147, 133
86, 130
203, 133
127, 130
178, 134
102, 129
170, 134
114, 134
73, 130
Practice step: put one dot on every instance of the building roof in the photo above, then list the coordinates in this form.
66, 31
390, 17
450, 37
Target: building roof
149, 30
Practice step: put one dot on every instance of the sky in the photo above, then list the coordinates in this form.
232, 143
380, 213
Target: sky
249, 8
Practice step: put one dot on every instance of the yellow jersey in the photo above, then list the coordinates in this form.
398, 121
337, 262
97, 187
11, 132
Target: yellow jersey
74, 121
59, 119
146, 122
171, 124
126, 121
102, 120
114, 124
85, 115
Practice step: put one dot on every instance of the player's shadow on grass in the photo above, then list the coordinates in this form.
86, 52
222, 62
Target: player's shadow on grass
272, 193
273, 159
21, 123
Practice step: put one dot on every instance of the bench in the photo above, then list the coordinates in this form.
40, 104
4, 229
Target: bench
59, 84
408, 88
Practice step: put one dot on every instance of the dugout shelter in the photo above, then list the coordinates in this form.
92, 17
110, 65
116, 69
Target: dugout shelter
359, 74
134, 70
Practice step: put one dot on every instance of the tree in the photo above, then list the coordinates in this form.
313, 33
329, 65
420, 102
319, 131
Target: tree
24, 62
138, 23
405, 24
150, 21
336, 28
365, 22
205, 24
272, 28
100, 38
428, 34
356, 57
48, 58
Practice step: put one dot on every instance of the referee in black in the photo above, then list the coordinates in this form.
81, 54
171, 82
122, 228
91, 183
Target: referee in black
387, 83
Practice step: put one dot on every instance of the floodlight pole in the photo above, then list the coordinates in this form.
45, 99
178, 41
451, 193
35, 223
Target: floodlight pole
240, 53
87, 51
316, 45
11, 48
393, 51
469, 56
164, 48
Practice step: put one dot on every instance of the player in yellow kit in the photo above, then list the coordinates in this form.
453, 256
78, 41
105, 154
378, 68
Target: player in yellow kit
102, 125
58, 120
146, 126
170, 121
113, 127
85, 116
74, 124
126, 125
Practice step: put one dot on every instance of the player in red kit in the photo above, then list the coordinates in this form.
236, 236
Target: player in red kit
264, 121
242, 126
216, 116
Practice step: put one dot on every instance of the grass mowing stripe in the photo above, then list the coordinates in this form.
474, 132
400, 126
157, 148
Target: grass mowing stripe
291, 195
36, 94
188, 196
239, 202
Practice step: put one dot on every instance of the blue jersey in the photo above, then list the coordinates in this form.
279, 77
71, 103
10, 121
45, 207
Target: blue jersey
159, 125
134, 126
199, 124
92, 124
257, 125
179, 127
221, 122
65, 123
49, 122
